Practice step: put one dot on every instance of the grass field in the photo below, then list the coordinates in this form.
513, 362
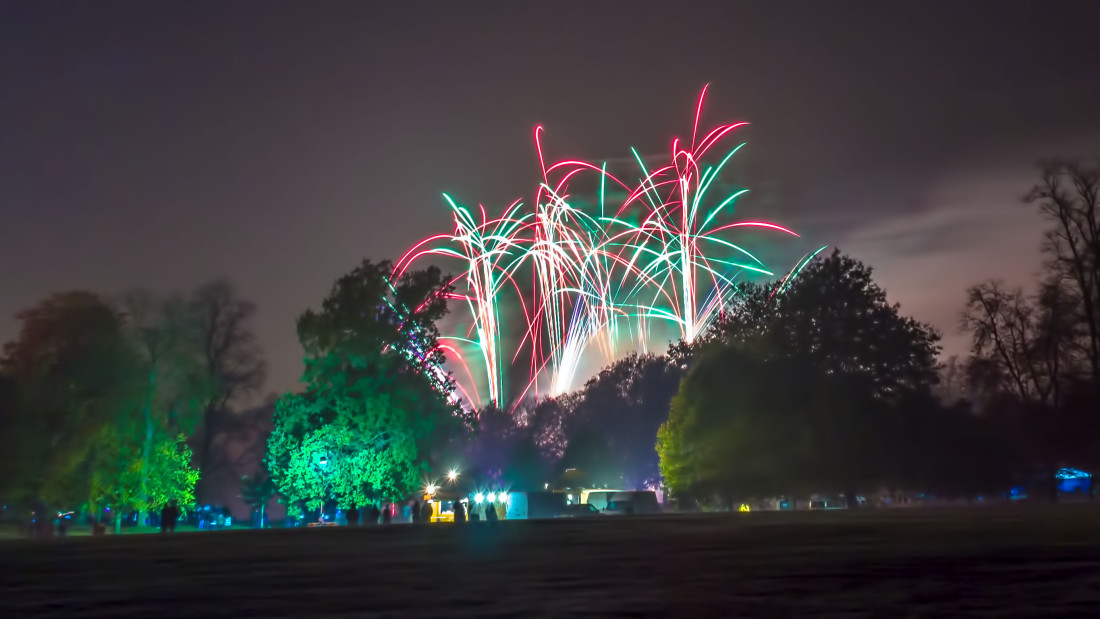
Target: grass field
988, 562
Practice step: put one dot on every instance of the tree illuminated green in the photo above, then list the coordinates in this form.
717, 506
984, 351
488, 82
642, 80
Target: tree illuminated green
735, 429
103, 405
71, 371
374, 406
166, 337
809, 384
124, 478
366, 449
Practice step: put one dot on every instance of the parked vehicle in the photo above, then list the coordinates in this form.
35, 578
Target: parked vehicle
581, 510
533, 505
615, 502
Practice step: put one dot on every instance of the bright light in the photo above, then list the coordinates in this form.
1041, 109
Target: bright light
492, 497
452, 475
323, 460
1068, 473
569, 496
478, 498
503, 497
431, 488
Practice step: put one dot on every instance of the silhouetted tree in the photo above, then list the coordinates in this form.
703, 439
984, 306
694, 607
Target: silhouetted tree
524, 468
504, 451
835, 314
545, 422
257, 491
625, 404
1023, 347
850, 367
953, 383
590, 452
9, 465
1068, 195
232, 363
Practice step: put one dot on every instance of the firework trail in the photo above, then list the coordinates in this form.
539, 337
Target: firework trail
661, 254
491, 250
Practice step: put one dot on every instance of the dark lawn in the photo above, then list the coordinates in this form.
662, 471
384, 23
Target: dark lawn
996, 562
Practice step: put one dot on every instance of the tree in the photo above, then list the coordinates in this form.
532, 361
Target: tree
734, 430
626, 403
376, 403
365, 449
72, 370
545, 421
951, 451
374, 322
165, 335
231, 362
749, 315
590, 452
525, 466
257, 491
497, 435
953, 383
241, 443
836, 315
9, 450
1068, 195
124, 478
505, 449
850, 366
1023, 347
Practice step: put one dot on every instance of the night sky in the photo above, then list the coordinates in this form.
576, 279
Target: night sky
277, 144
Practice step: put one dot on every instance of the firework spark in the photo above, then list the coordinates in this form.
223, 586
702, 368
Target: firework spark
661, 253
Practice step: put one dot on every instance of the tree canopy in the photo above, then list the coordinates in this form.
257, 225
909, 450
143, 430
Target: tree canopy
1034, 361
231, 364
375, 405
101, 407
72, 371
802, 386
621, 409
833, 313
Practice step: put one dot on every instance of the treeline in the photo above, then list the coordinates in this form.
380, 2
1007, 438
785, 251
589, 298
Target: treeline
1034, 366
118, 404
813, 385
820, 385
825, 387
376, 421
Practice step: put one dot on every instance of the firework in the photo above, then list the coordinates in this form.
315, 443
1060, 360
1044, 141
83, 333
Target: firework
599, 277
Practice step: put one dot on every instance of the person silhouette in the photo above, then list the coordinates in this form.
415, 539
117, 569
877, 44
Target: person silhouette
168, 516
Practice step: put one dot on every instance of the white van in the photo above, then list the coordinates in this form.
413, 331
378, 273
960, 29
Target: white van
533, 505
